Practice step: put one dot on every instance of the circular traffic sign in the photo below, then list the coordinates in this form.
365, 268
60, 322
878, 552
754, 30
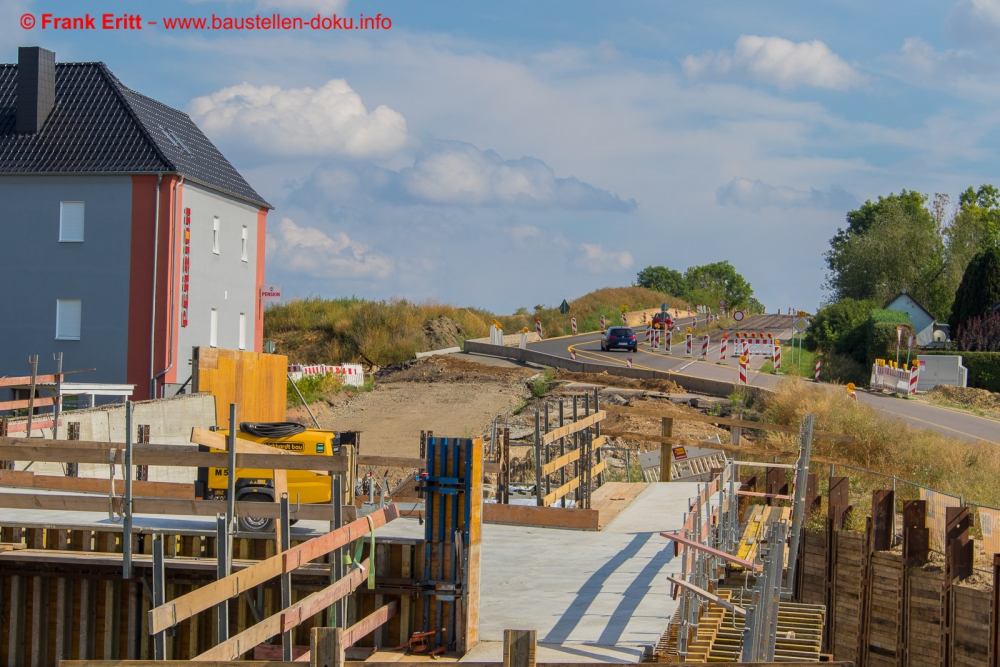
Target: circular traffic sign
738, 315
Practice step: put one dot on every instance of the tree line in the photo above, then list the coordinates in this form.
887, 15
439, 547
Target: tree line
708, 284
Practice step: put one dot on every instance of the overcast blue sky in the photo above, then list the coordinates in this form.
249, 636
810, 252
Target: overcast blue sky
508, 154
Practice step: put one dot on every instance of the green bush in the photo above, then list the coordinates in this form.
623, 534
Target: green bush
984, 367
881, 333
841, 327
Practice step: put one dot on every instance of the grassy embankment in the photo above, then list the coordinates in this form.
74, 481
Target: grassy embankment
884, 445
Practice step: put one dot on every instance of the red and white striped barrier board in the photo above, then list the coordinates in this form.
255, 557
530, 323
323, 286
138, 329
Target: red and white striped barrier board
754, 345
624, 319
656, 339
354, 374
777, 355
538, 327
603, 327
572, 322
649, 335
687, 345
817, 370
628, 362
572, 354
722, 350
890, 377
668, 340
704, 347
744, 361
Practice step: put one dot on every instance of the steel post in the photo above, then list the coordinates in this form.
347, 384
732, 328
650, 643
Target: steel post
799, 505
231, 472
159, 595
127, 522
286, 577
221, 572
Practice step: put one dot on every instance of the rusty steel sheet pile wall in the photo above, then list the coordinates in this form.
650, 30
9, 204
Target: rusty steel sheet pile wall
847, 603
256, 382
813, 573
925, 619
970, 626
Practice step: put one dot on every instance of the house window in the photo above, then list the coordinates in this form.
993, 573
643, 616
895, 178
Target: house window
243, 331
215, 235
71, 222
244, 247
68, 313
213, 329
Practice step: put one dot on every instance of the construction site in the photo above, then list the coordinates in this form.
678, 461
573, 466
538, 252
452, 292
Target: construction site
614, 519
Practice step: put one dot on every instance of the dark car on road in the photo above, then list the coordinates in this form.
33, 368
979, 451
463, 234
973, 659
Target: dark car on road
618, 337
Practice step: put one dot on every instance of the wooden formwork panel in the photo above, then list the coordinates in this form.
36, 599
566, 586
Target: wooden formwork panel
925, 617
814, 568
970, 626
847, 603
884, 636
256, 382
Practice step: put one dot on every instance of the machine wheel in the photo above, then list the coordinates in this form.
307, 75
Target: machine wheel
252, 524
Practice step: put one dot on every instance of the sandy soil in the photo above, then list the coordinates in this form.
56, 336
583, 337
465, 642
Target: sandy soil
449, 396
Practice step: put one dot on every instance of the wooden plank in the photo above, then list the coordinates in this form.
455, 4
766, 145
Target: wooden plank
393, 663
723, 421
27, 479
688, 442
549, 517
26, 379
38, 402
161, 455
519, 648
561, 491
370, 623
574, 427
175, 611
283, 621
558, 463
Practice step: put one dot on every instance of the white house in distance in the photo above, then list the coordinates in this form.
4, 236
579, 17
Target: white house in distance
929, 332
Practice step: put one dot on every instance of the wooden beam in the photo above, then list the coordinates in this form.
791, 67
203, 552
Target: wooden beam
26, 379
39, 402
173, 612
396, 663
573, 427
687, 442
28, 479
715, 552
369, 623
561, 491
548, 517
558, 463
757, 494
327, 644
283, 621
519, 648
723, 421
157, 506
161, 456
376, 462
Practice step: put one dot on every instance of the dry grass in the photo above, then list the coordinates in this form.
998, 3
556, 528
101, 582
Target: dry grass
886, 445
318, 330
588, 309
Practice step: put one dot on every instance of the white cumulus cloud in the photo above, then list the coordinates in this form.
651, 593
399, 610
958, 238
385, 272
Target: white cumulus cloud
755, 195
314, 253
301, 121
777, 61
459, 173
974, 21
597, 259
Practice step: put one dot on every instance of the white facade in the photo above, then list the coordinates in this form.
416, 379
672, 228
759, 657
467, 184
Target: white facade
922, 321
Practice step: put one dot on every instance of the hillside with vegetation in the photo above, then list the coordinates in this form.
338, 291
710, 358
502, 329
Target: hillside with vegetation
377, 333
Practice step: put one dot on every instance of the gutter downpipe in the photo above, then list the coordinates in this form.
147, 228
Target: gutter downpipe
173, 287
152, 326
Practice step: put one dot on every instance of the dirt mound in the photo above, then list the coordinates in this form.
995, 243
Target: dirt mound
606, 380
967, 396
442, 332
446, 368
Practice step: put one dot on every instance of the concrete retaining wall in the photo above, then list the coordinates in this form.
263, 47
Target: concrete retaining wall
687, 382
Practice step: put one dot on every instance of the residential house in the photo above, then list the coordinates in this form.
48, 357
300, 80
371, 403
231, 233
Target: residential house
929, 332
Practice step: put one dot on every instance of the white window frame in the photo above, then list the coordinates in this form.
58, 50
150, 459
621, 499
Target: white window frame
216, 233
62, 311
66, 235
244, 251
213, 328
243, 331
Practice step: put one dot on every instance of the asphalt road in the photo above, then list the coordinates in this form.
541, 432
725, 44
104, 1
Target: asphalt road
587, 347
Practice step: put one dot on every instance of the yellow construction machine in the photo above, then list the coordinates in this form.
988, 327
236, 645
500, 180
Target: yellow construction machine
257, 485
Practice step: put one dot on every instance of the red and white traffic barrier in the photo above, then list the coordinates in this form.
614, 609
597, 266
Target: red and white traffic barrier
777, 355
603, 327
628, 362
538, 327
687, 344
655, 344
668, 340
818, 363
572, 354
624, 319
353, 374
914, 377
887, 375
744, 362
572, 323
704, 347
649, 336
722, 350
